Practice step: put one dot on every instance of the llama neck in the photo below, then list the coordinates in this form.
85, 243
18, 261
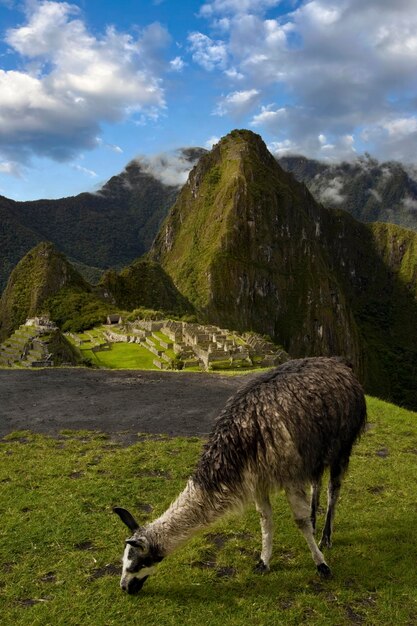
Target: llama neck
192, 511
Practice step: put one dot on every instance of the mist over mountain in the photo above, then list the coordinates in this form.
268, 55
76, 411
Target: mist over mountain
369, 190
106, 229
118, 223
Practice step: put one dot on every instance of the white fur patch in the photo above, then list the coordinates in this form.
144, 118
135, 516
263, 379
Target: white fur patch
127, 576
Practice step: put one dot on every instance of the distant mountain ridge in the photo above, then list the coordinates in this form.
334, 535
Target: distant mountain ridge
369, 190
109, 228
118, 224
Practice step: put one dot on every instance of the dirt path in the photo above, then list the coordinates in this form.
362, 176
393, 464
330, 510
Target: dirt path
127, 402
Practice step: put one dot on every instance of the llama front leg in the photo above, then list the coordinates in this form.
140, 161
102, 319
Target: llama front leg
300, 506
263, 506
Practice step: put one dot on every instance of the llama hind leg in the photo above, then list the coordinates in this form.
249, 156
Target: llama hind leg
336, 474
263, 506
315, 502
300, 506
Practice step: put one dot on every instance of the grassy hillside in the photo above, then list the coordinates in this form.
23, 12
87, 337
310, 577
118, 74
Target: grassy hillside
43, 282
144, 283
61, 545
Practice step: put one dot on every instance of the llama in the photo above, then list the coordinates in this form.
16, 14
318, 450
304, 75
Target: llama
280, 431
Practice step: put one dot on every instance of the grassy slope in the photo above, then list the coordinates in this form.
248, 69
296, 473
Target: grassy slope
123, 356
60, 545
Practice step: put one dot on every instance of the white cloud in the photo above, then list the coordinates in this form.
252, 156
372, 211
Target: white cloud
401, 127
73, 81
375, 194
84, 170
393, 139
409, 203
114, 148
234, 74
207, 52
332, 194
341, 70
234, 7
237, 103
171, 168
269, 117
283, 148
211, 142
11, 169
177, 64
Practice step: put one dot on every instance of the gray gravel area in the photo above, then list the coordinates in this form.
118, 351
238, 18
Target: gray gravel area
115, 402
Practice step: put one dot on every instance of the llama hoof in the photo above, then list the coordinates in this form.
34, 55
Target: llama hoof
325, 542
324, 570
261, 568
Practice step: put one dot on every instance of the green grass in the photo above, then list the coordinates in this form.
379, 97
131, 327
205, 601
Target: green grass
122, 356
60, 544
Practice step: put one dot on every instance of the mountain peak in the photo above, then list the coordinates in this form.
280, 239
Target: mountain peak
41, 273
241, 240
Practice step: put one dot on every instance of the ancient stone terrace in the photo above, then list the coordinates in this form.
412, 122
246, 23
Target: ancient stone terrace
26, 347
182, 344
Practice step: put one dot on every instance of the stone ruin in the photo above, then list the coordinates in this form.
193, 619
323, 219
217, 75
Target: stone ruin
26, 346
197, 345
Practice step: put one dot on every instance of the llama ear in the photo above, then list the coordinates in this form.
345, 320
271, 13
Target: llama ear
138, 542
127, 518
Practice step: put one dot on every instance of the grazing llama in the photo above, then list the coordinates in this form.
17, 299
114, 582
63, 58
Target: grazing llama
281, 431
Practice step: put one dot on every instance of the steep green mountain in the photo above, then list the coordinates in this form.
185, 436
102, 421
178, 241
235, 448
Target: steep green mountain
109, 228
143, 284
251, 249
43, 282
369, 190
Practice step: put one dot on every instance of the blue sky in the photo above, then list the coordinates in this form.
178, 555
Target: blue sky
85, 86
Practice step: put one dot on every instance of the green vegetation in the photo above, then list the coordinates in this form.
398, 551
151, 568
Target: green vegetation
144, 284
246, 247
121, 356
61, 544
107, 229
44, 282
41, 274
76, 310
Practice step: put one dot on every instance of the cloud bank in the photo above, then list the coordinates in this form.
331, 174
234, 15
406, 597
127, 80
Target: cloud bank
344, 70
72, 81
171, 168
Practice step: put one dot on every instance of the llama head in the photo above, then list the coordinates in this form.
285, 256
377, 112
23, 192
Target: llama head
140, 557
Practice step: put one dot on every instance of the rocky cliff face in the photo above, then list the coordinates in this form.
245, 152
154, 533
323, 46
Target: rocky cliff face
252, 249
